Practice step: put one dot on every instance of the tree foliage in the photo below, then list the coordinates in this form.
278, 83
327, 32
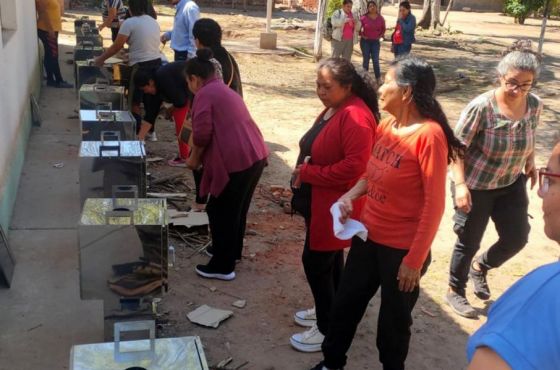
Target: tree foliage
521, 9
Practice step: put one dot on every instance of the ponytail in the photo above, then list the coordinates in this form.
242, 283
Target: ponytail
419, 75
362, 85
201, 65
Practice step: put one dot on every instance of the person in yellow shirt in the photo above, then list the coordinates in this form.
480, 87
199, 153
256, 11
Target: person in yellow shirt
49, 23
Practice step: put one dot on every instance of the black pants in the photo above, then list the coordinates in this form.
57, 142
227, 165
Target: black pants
508, 209
52, 68
227, 214
197, 175
369, 266
181, 55
323, 271
114, 33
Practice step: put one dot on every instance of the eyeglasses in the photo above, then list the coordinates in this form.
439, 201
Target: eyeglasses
544, 179
510, 85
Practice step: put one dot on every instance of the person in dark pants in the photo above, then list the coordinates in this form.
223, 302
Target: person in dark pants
337, 148
165, 84
498, 128
141, 33
49, 25
404, 186
207, 33
373, 29
230, 147
403, 36
112, 11
181, 37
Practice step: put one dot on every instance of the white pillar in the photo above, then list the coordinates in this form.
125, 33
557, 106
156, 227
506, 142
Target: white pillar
268, 15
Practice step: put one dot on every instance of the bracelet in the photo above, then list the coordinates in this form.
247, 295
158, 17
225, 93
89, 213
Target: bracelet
460, 183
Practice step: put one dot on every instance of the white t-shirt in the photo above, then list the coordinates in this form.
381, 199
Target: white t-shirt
143, 38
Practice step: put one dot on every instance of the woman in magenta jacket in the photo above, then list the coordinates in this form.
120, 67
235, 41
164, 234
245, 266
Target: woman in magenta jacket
230, 146
337, 148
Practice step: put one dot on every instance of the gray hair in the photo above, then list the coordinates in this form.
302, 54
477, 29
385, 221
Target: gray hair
520, 60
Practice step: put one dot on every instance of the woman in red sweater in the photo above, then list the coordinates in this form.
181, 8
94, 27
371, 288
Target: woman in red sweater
337, 146
405, 188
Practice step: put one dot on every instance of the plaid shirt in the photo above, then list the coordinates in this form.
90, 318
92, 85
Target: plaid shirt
497, 147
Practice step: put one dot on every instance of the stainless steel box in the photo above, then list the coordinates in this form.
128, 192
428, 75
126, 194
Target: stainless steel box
89, 74
86, 50
97, 123
79, 23
105, 165
93, 38
123, 250
95, 95
184, 353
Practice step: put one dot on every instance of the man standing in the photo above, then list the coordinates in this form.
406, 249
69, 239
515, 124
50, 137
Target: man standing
113, 12
49, 24
182, 40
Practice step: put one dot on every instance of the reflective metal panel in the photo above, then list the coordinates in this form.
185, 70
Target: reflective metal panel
95, 123
185, 353
94, 95
123, 249
106, 164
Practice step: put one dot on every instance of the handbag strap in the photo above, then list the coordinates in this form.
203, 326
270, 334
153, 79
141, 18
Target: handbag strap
231, 69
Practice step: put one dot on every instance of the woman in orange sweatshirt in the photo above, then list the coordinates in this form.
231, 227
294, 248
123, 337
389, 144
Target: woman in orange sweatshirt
405, 187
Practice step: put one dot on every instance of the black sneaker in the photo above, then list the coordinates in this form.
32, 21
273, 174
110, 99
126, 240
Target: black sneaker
60, 84
320, 366
459, 304
211, 273
481, 289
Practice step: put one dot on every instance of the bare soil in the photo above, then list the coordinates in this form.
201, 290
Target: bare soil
279, 91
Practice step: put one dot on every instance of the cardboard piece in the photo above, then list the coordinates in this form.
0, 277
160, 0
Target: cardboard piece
208, 316
188, 219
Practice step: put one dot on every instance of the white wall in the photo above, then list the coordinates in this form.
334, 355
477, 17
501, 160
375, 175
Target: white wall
19, 76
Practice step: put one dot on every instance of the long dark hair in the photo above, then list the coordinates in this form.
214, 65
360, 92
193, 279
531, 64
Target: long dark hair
419, 75
367, 7
362, 84
201, 66
137, 7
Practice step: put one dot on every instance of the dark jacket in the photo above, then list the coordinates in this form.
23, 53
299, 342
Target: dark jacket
408, 25
230, 69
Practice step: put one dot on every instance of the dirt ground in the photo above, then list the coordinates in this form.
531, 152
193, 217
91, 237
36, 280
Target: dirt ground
279, 91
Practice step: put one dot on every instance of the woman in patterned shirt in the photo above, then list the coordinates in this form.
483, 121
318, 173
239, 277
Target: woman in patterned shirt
498, 128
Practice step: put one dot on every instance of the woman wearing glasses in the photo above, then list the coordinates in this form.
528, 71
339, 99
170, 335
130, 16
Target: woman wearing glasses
498, 128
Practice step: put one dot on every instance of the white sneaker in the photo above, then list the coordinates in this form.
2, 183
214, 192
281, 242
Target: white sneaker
308, 341
151, 136
306, 318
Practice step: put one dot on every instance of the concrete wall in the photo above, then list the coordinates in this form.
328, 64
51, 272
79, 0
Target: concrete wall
20, 76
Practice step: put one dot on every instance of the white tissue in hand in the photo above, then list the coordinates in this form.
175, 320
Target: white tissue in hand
350, 228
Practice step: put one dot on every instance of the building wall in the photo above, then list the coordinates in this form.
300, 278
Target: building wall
20, 77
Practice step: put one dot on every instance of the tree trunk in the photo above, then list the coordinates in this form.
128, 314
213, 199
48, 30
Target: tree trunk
447, 12
317, 44
436, 10
426, 18
543, 25
380, 5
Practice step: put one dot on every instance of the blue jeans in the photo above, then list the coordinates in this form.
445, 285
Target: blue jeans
401, 49
370, 49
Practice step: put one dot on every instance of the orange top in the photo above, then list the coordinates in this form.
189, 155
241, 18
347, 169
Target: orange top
48, 15
406, 188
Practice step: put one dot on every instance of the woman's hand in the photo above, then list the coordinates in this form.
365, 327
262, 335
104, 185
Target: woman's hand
408, 278
346, 209
531, 171
193, 163
463, 199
